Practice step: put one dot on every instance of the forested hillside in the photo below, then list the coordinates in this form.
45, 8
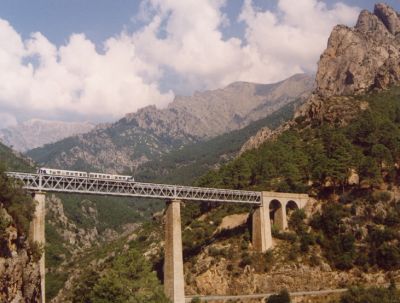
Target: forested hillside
323, 155
352, 170
12, 161
185, 165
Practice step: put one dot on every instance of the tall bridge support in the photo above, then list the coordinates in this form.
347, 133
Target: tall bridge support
261, 227
174, 285
36, 234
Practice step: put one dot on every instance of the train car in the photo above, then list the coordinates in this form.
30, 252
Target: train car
71, 173
111, 177
61, 172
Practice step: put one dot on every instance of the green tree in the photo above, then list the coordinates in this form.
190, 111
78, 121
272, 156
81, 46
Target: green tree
129, 280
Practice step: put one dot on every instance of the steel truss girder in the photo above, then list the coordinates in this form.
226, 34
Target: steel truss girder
84, 185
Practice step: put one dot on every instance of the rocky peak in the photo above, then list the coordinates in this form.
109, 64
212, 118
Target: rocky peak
388, 16
362, 58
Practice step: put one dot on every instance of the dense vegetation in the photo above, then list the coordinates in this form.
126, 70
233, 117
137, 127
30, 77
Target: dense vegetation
128, 278
185, 165
323, 155
10, 161
358, 225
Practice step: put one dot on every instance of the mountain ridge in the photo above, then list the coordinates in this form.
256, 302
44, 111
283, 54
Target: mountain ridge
151, 132
38, 132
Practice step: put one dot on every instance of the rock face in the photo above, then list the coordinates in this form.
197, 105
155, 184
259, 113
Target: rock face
362, 58
34, 133
19, 274
357, 60
151, 132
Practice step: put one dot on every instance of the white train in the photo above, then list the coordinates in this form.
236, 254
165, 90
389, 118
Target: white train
72, 173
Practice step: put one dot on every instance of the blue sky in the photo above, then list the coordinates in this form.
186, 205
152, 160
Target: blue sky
100, 19
100, 59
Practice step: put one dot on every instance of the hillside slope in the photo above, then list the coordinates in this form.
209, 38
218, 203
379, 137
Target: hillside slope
185, 165
150, 132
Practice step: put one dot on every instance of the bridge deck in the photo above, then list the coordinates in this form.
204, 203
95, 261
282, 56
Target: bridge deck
84, 185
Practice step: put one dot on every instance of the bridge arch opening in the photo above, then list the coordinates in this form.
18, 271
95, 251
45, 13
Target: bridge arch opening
276, 214
291, 206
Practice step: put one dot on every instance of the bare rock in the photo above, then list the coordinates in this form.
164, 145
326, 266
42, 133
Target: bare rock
362, 58
19, 274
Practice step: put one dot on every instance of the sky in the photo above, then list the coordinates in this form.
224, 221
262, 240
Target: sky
96, 60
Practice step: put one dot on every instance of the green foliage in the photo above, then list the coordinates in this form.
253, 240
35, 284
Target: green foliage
282, 297
338, 244
113, 212
370, 145
17, 203
54, 282
129, 279
371, 295
9, 160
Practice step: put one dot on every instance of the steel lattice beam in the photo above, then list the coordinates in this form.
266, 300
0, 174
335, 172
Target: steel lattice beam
84, 185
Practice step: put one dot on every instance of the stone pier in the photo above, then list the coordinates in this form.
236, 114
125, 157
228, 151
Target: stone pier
261, 228
174, 285
36, 234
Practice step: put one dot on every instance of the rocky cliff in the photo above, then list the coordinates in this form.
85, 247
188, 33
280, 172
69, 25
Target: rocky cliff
35, 133
361, 58
357, 60
151, 132
19, 267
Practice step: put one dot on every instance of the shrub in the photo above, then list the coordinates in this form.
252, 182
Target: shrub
35, 251
282, 297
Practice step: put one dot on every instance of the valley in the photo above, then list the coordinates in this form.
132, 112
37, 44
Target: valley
334, 142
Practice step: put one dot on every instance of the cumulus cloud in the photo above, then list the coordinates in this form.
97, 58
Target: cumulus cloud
181, 43
36, 75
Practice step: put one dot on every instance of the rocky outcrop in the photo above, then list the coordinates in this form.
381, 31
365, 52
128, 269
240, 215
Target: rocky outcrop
34, 133
151, 132
19, 273
362, 58
356, 61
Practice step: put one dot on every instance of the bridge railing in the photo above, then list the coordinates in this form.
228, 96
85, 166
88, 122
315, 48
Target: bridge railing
85, 185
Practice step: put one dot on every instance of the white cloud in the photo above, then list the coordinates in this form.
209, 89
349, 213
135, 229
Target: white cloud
186, 37
36, 75
180, 38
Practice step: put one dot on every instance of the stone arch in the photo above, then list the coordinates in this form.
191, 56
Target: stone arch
291, 205
277, 214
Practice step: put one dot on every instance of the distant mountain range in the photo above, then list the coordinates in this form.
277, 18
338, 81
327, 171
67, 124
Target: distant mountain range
35, 133
150, 132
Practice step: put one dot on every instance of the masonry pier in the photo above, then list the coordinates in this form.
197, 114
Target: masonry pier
174, 284
36, 234
261, 228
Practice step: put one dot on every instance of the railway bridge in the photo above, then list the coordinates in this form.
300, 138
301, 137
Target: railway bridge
269, 206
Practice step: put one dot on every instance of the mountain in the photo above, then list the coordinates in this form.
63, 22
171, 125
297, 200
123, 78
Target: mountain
151, 132
185, 165
35, 133
343, 149
357, 60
